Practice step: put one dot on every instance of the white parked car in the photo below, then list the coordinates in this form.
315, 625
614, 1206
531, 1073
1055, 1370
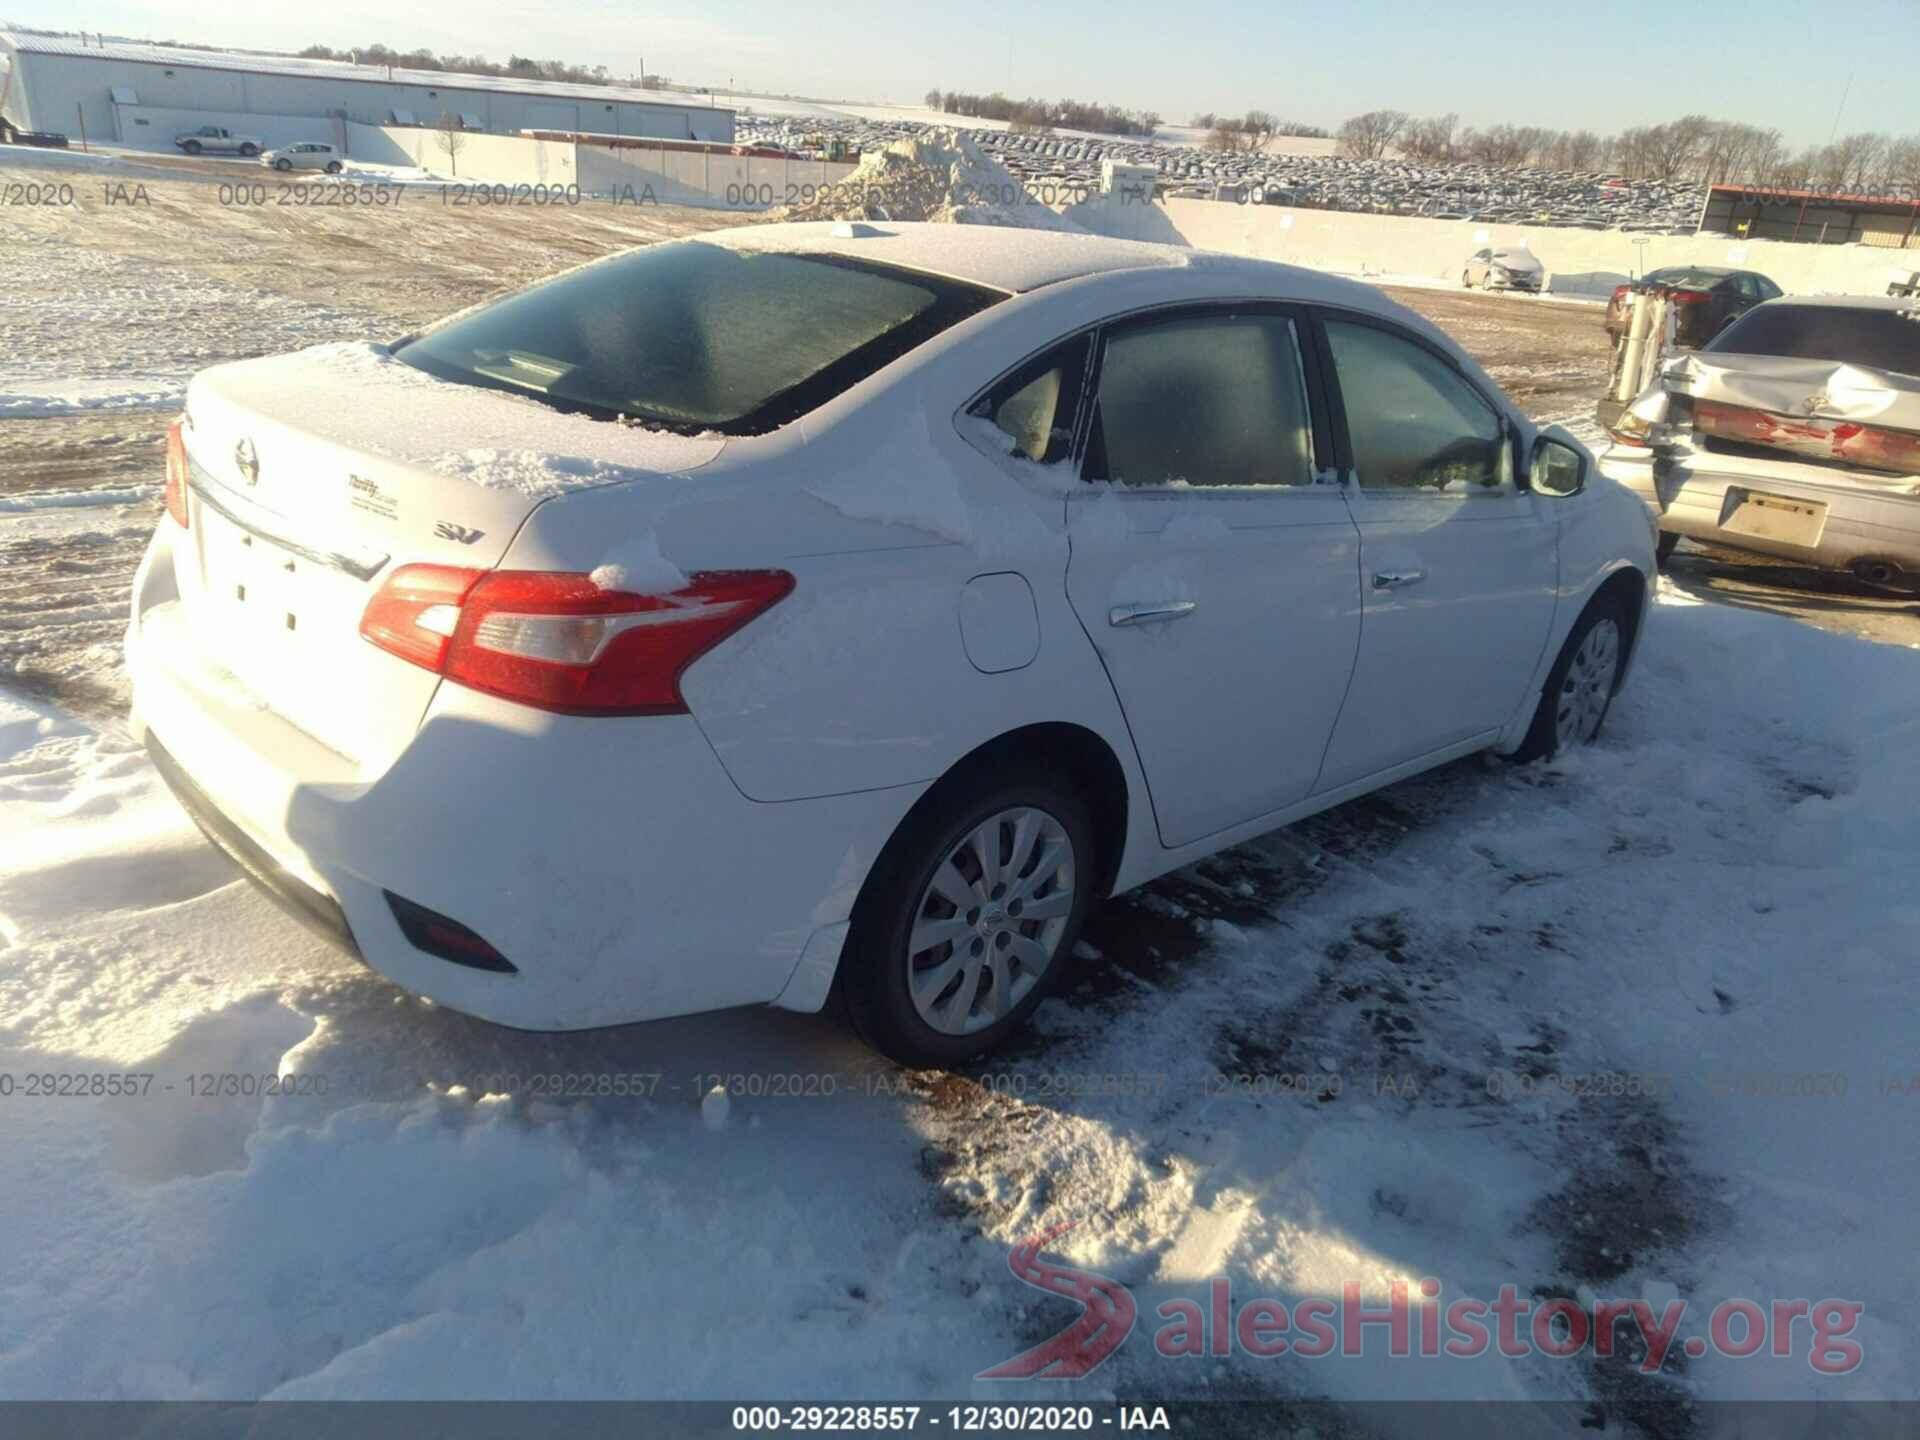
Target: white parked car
1504, 267
811, 608
307, 155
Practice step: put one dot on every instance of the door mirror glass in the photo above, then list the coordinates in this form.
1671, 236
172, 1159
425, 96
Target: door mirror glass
1557, 469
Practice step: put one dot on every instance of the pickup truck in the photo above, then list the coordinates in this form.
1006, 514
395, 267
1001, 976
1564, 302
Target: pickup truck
214, 140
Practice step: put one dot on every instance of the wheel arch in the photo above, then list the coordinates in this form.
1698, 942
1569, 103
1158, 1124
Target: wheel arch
1627, 587
1624, 584
1057, 748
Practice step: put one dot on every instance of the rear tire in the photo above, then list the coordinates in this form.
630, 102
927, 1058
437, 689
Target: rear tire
249, 150
333, 167
1579, 689
948, 956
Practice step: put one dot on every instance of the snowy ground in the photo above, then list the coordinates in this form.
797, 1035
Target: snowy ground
1637, 1025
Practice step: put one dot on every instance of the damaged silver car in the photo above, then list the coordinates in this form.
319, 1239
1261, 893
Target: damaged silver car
1794, 433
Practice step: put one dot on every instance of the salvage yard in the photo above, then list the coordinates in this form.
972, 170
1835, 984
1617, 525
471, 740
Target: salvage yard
1635, 1023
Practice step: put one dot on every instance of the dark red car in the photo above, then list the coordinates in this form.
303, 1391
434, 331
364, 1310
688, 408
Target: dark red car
1708, 299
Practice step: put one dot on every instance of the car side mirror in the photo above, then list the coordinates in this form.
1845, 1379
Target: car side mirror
1557, 468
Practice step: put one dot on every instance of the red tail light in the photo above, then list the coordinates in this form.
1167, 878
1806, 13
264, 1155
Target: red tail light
177, 473
1688, 297
556, 641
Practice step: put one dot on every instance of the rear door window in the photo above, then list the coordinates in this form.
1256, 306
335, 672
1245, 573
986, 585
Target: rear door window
692, 336
1215, 399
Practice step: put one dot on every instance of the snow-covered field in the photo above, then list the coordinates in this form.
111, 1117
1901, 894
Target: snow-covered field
1637, 1025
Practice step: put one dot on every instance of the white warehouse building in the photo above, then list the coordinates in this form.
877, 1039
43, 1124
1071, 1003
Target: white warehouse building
120, 92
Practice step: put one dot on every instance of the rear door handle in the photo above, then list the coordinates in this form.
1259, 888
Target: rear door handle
1145, 614
1396, 579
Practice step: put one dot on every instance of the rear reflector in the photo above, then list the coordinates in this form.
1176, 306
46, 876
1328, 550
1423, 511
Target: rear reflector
556, 641
177, 473
433, 933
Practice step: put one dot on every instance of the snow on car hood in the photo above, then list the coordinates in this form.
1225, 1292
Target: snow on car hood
357, 395
1784, 385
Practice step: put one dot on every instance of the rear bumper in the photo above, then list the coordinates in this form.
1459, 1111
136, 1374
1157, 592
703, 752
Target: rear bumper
612, 862
315, 909
1860, 525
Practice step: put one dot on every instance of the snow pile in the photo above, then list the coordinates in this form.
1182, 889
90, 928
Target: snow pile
638, 568
942, 176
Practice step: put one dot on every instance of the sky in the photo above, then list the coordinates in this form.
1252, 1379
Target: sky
1556, 63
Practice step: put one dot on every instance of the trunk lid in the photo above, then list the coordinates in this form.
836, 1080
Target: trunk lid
314, 476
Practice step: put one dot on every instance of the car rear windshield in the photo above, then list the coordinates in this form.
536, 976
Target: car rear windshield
1877, 339
1684, 279
691, 336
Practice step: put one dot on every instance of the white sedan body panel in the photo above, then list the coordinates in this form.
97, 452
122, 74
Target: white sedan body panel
944, 596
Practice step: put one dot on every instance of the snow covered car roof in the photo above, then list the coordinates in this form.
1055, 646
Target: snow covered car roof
1000, 257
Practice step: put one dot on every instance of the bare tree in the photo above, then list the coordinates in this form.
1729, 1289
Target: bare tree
1673, 150
451, 137
1430, 140
1369, 136
1501, 145
1903, 167
1583, 150
1245, 135
1853, 161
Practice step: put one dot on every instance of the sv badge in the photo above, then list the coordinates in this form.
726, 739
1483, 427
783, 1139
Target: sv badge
447, 530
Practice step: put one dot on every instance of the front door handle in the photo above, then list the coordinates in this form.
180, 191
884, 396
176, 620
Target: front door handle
1397, 579
1145, 614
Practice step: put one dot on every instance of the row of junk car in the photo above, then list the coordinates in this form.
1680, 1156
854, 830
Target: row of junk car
1779, 425
1056, 166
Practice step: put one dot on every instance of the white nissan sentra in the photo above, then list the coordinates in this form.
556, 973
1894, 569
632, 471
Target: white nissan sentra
811, 610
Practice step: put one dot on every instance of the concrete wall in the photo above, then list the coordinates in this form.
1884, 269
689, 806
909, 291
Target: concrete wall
53, 90
1578, 262
730, 182
493, 159
632, 175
